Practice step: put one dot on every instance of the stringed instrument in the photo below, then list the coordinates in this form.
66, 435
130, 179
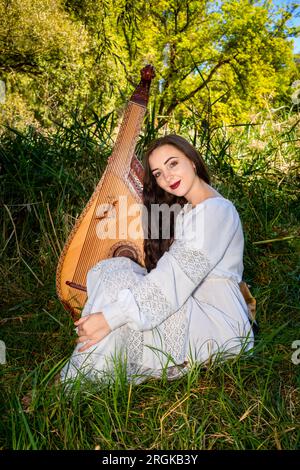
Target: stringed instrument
101, 231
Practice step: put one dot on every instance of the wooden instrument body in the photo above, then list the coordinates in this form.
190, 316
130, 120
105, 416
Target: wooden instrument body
111, 223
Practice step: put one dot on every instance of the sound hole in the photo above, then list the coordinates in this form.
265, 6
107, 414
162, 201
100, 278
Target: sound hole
126, 250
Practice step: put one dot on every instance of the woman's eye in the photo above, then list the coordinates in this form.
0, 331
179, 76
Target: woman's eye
173, 163
156, 175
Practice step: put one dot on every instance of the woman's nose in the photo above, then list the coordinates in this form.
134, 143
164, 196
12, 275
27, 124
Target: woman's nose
168, 176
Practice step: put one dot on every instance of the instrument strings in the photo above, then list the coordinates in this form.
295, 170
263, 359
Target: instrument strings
91, 251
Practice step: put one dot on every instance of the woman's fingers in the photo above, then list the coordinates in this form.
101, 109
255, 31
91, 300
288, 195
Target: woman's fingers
91, 329
92, 324
81, 320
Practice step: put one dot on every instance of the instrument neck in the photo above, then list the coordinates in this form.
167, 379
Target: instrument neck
123, 152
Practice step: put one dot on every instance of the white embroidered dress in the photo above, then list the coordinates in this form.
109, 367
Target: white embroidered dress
188, 308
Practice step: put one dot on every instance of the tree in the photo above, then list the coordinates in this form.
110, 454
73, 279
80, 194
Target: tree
216, 62
222, 60
40, 57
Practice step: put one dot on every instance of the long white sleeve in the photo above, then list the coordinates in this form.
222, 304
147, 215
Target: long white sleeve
202, 237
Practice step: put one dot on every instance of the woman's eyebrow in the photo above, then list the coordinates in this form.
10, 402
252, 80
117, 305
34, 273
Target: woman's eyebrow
164, 163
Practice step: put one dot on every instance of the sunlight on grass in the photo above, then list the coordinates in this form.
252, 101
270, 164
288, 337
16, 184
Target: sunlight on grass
250, 402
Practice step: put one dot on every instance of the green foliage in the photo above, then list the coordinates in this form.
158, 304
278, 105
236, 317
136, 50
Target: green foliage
224, 72
250, 402
221, 60
40, 61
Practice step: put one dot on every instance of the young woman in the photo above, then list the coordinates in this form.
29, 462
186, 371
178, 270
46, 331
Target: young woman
186, 305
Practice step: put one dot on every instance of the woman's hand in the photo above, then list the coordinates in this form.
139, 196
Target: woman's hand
91, 328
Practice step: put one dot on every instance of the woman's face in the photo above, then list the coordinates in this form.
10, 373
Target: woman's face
172, 170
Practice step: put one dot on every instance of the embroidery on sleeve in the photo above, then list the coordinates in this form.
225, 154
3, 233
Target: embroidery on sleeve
192, 262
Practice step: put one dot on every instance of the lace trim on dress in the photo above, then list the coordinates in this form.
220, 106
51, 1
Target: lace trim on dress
116, 274
151, 301
114, 281
193, 262
111, 264
174, 332
134, 351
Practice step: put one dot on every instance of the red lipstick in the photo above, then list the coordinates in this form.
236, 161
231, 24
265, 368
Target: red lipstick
175, 185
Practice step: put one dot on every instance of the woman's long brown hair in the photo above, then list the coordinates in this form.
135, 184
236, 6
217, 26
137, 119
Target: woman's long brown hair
154, 248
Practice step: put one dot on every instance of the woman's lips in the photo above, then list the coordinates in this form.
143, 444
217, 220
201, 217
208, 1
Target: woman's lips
175, 185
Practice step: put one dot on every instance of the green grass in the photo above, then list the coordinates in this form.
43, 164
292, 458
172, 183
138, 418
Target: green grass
250, 402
